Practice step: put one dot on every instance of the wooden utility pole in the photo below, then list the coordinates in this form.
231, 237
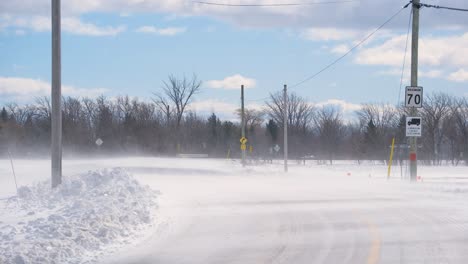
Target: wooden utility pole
56, 140
414, 83
285, 126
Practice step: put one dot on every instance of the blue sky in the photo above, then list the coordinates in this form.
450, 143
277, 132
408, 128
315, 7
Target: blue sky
129, 47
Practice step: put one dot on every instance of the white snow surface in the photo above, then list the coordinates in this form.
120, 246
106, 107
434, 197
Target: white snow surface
216, 211
89, 214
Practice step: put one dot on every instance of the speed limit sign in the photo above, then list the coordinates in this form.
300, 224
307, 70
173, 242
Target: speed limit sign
414, 96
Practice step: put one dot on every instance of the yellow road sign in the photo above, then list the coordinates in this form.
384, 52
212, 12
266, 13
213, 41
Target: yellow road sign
243, 140
243, 147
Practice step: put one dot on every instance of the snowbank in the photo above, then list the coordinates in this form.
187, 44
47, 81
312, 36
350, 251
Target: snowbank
77, 221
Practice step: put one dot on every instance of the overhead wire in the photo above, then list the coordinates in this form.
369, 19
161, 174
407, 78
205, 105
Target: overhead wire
403, 72
352, 49
275, 5
404, 56
443, 7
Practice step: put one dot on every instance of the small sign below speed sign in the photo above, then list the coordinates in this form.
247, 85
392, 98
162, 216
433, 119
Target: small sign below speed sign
414, 97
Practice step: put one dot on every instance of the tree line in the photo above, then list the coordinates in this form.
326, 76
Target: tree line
164, 126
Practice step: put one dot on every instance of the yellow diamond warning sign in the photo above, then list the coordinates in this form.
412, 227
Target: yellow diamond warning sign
243, 140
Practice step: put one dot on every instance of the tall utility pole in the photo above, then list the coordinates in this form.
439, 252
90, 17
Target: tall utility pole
414, 83
242, 123
285, 126
56, 146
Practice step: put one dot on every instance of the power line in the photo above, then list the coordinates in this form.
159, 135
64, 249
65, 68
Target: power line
352, 49
443, 7
404, 57
273, 5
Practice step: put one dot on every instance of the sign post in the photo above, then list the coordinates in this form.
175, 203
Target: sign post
414, 83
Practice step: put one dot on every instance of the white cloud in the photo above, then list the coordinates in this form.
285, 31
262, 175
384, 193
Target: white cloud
72, 25
340, 49
78, 27
334, 21
169, 31
459, 76
347, 15
431, 74
407, 73
26, 89
433, 51
329, 34
346, 107
437, 55
232, 82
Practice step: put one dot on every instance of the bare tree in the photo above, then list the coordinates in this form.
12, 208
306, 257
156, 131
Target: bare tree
253, 118
176, 95
330, 128
299, 110
378, 123
459, 116
44, 107
300, 113
436, 108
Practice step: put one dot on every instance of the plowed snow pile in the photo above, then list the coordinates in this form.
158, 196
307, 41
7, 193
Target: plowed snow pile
77, 221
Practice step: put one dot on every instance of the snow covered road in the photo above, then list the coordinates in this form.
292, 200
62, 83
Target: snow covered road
214, 211
311, 215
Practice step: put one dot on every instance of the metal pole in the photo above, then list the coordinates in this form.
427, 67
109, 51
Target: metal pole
414, 83
285, 126
242, 123
56, 146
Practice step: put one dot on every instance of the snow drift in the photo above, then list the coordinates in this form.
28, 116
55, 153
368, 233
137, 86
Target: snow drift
74, 223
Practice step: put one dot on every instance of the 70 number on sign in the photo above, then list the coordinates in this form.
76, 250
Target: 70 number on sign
414, 96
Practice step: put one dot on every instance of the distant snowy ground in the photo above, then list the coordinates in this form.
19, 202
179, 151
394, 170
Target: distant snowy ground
215, 211
82, 218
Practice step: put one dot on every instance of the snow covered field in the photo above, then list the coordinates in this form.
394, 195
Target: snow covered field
215, 211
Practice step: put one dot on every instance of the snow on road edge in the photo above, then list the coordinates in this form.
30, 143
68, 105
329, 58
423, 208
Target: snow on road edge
74, 223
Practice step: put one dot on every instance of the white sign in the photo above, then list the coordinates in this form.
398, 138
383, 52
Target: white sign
414, 97
99, 142
277, 148
413, 126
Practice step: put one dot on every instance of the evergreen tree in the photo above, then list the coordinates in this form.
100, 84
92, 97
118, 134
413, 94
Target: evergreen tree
213, 124
272, 130
370, 138
4, 115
